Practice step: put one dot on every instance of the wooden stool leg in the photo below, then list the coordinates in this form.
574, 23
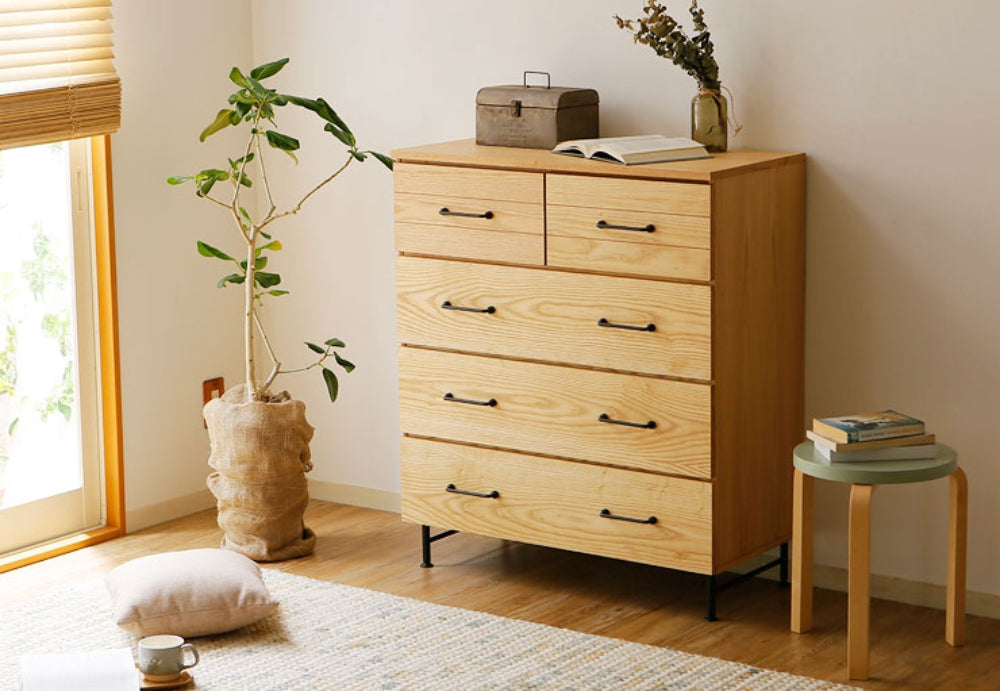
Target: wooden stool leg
958, 517
858, 580
802, 552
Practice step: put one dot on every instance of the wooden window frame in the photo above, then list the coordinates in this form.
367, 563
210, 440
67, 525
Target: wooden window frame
110, 380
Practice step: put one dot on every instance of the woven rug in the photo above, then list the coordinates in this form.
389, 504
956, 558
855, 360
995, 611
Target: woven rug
328, 636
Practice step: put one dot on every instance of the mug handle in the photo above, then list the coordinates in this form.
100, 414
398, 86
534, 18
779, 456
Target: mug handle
187, 647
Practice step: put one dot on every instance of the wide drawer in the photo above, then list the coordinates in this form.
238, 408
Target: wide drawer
605, 417
560, 504
619, 323
468, 213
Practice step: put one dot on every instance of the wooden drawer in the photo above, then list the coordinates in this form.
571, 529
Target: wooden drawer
559, 503
590, 228
472, 214
559, 411
556, 316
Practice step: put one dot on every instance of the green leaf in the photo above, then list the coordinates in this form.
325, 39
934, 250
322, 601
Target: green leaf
231, 278
237, 78
273, 245
259, 263
277, 293
179, 179
207, 250
345, 137
346, 364
282, 141
387, 161
266, 280
268, 69
332, 386
359, 155
335, 343
315, 348
222, 120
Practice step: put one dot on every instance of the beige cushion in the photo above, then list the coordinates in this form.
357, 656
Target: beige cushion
195, 592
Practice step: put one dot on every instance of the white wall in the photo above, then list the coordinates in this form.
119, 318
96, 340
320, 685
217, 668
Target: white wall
892, 103
176, 330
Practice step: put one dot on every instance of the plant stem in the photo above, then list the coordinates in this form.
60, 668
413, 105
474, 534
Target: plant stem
274, 217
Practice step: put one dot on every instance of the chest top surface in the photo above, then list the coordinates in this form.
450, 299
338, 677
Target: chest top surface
467, 153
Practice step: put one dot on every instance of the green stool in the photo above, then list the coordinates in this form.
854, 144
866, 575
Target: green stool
863, 476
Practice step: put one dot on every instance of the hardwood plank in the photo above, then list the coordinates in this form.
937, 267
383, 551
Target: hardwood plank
645, 604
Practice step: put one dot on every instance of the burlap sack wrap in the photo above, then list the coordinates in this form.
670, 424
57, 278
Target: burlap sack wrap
260, 453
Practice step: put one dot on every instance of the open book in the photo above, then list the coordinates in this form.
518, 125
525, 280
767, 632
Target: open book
643, 148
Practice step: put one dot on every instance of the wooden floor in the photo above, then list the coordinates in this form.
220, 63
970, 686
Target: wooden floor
375, 550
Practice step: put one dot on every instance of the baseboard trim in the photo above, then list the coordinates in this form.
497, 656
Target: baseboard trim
365, 497
889, 588
164, 511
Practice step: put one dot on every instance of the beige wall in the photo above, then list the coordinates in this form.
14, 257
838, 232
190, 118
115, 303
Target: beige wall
891, 101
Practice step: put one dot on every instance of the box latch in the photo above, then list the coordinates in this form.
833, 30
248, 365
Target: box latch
515, 108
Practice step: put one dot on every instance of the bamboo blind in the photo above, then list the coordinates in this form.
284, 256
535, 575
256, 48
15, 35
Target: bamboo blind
57, 78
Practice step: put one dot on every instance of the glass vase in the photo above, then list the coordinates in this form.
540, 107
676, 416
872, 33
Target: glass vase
709, 113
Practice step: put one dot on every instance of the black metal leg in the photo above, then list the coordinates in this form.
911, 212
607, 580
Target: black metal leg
715, 587
710, 614
425, 543
783, 570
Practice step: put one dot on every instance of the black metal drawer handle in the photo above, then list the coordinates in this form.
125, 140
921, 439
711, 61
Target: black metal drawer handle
490, 403
485, 495
604, 225
641, 425
628, 327
446, 305
648, 521
445, 211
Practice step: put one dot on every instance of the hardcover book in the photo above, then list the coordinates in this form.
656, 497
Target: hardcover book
867, 426
886, 453
819, 440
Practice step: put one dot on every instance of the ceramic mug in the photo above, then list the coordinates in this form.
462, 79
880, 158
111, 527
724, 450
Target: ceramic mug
161, 658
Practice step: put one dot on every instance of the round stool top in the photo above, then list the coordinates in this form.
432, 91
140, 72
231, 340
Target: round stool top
875, 472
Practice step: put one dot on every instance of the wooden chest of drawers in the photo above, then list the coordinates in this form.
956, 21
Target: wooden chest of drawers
601, 358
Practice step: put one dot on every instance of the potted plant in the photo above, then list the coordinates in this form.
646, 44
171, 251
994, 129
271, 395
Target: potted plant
260, 438
696, 56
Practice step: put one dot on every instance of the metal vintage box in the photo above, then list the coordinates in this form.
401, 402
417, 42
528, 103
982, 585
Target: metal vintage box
535, 117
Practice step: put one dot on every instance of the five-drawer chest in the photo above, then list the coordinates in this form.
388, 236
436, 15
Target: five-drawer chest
601, 358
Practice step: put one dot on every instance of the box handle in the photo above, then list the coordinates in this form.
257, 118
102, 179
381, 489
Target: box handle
548, 79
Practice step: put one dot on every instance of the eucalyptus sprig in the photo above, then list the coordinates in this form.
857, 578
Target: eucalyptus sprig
662, 33
255, 106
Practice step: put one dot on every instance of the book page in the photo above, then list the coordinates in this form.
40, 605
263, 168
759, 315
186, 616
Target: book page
100, 670
646, 142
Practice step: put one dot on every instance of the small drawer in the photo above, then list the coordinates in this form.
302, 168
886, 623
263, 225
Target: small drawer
470, 214
651, 519
604, 417
651, 196
618, 323
630, 242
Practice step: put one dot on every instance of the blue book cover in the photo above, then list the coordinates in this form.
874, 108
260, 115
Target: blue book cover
865, 426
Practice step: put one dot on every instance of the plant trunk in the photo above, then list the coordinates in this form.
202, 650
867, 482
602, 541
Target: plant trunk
248, 322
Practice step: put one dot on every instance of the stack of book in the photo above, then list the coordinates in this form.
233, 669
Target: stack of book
884, 436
